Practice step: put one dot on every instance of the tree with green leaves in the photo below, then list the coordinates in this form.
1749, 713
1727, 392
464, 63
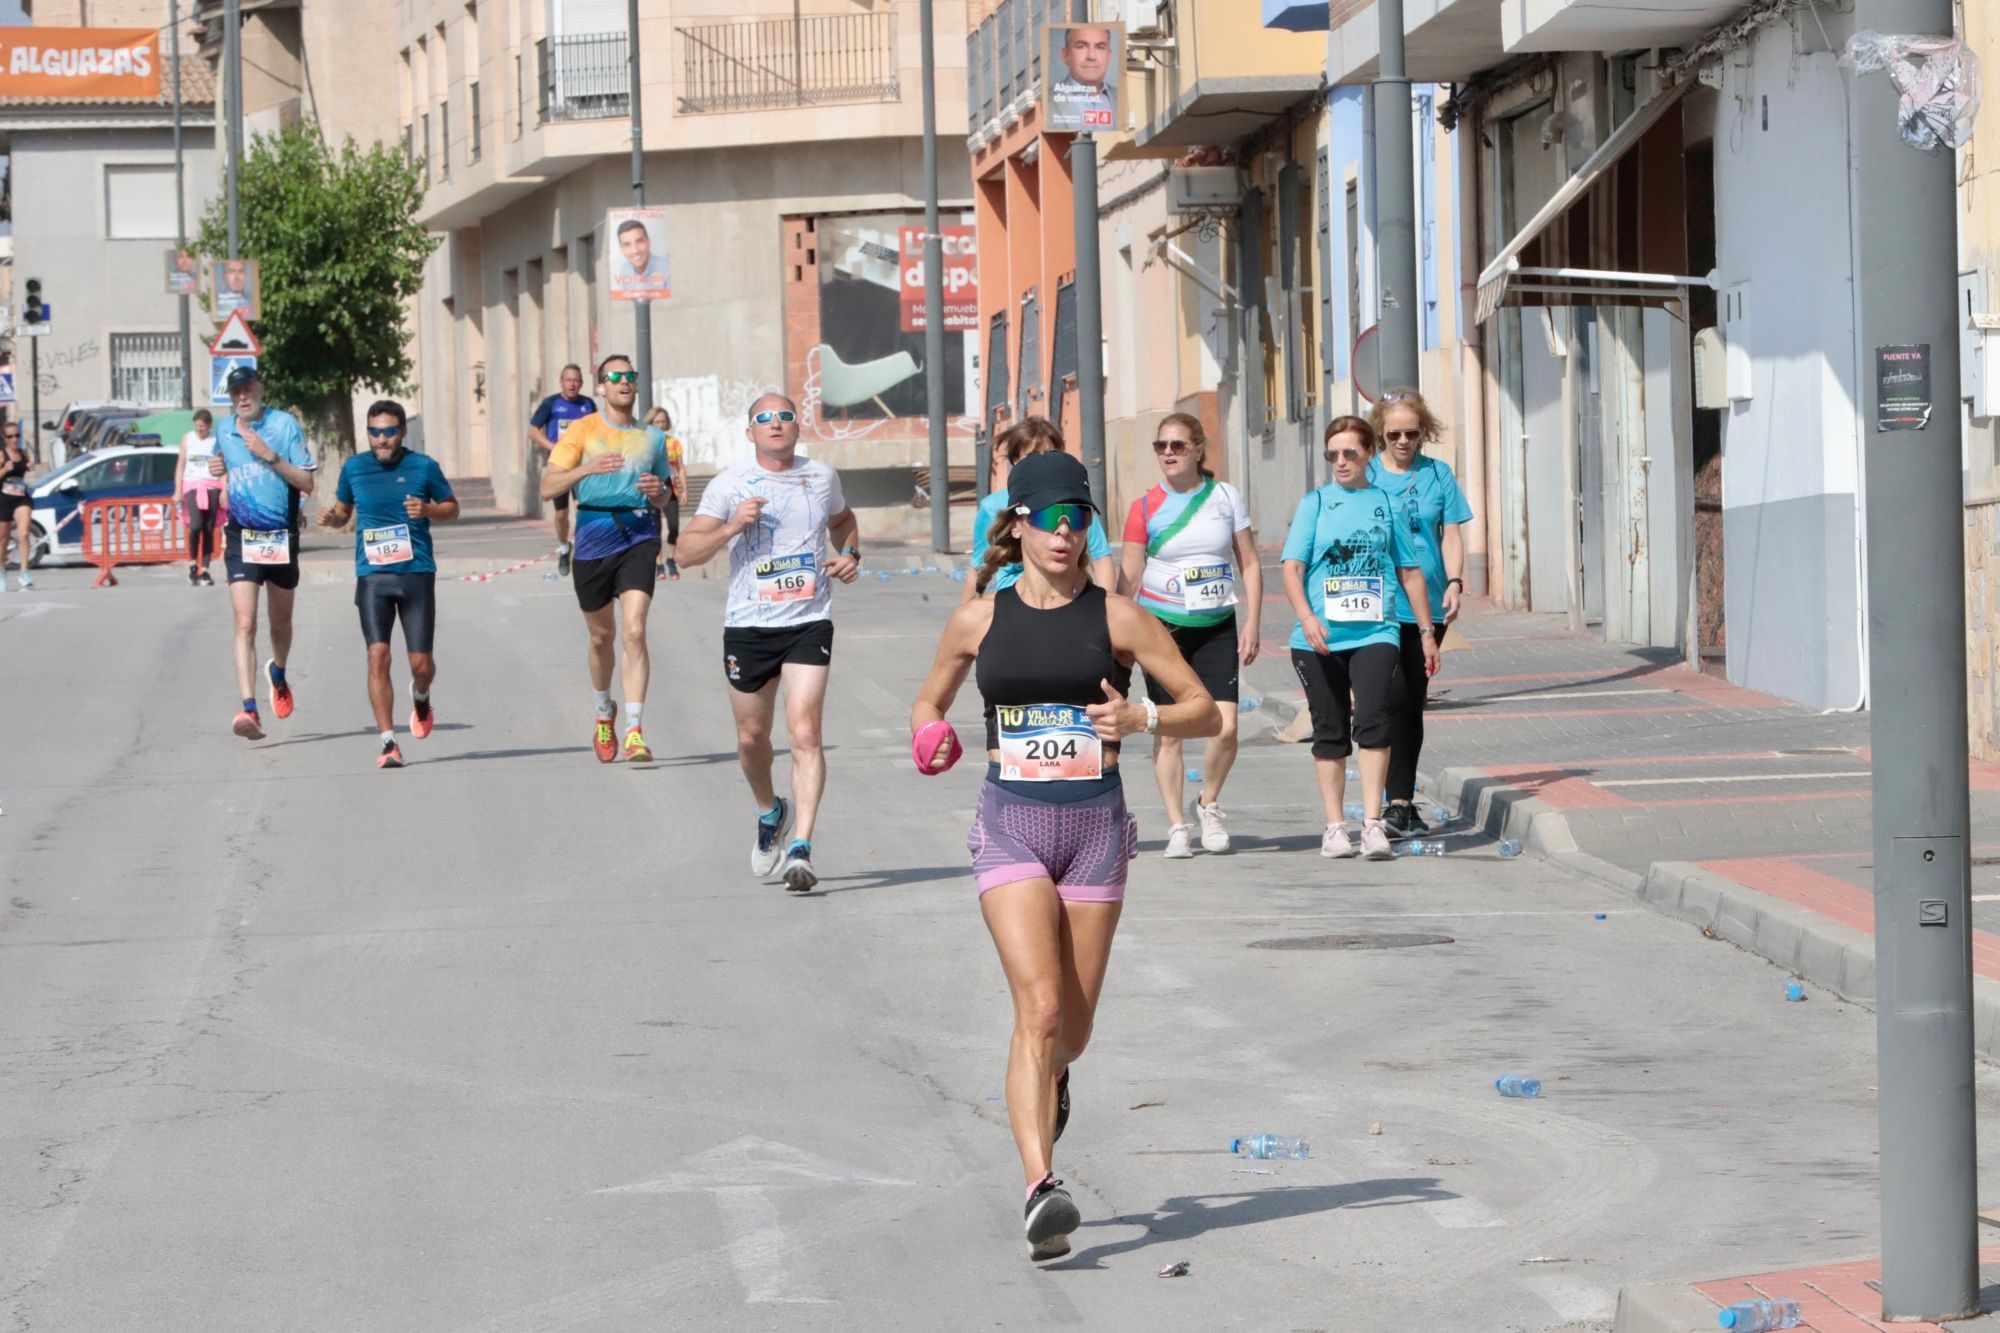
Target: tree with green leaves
340, 255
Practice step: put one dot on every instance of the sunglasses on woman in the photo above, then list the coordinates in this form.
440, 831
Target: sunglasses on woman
1358, 455
1171, 448
766, 418
1051, 517
1399, 436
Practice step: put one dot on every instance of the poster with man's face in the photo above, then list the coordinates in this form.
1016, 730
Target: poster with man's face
639, 269
183, 273
1083, 67
236, 288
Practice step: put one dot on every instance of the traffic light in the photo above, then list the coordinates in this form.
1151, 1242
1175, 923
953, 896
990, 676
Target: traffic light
32, 311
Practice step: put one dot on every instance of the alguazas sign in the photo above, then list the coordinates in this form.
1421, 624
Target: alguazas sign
80, 64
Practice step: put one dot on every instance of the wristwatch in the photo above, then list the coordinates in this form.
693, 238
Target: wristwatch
1459, 582
854, 551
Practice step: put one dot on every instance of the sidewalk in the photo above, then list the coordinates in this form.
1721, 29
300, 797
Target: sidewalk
1833, 1298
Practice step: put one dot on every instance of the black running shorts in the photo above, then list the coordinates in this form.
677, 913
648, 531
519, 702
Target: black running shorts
599, 583
285, 576
753, 655
1211, 651
385, 598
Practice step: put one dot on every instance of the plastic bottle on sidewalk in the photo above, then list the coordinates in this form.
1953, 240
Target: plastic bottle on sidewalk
1194, 775
1440, 815
1517, 1085
549, 577
1510, 847
1794, 991
1757, 1316
1353, 813
1249, 703
1264, 1147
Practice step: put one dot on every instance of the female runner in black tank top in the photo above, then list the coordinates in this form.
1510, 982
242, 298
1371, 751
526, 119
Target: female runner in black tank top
1054, 655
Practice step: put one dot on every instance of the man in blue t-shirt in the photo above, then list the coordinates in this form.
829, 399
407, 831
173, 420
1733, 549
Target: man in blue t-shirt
394, 496
263, 454
545, 427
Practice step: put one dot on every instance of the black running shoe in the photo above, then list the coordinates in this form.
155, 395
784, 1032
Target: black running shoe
1052, 1215
1418, 826
1396, 819
562, 563
1062, 1102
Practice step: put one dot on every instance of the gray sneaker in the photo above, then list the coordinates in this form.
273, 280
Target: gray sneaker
769, 847
1335, 844
1375, 842
1214, 837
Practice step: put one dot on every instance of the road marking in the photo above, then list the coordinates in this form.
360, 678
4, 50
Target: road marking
1734, 777
739, 1174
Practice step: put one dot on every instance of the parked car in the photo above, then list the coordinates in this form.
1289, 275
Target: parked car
55, 434
96, 429
116, 473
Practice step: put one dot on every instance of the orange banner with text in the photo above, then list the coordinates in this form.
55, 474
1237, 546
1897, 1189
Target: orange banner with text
96, 64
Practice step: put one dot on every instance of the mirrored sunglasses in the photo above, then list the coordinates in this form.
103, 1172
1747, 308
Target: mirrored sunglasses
766, 418
384, 432
621, 377
1051, 517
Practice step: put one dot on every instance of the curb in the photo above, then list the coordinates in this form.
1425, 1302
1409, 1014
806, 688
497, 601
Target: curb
1663, 1307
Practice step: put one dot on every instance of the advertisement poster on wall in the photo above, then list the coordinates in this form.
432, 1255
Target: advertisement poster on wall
639, 267
961, 278
1087, 61
868, 361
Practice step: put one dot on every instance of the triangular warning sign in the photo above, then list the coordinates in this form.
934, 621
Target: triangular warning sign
235, 339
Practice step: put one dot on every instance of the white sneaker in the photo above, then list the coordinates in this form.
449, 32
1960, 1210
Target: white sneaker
26, 582
1335, 844
1177, 842
1214, 837
1375, 842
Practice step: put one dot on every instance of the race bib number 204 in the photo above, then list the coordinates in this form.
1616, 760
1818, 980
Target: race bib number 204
1047, 743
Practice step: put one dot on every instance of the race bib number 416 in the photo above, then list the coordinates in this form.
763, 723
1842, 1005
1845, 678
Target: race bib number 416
787, 578
1047, 743
1354, 597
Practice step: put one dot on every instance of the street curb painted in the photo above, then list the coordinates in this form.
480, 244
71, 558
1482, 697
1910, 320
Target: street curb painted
1663, 1307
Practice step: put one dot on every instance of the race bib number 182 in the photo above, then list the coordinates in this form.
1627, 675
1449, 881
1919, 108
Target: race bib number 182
387, 546
1047, 743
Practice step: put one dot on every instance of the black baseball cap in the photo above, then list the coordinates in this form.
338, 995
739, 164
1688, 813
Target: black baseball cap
242, 378
1048, 478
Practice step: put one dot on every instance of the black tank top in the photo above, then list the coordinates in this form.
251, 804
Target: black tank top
1047, 657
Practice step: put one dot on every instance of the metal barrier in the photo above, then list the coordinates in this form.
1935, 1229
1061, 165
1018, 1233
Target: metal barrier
132, 532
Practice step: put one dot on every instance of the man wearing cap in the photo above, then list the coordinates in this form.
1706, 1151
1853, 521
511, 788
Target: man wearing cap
262, 453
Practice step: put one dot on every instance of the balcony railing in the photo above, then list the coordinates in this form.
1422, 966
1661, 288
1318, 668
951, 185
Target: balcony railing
767, 63
1004, 58
583, 77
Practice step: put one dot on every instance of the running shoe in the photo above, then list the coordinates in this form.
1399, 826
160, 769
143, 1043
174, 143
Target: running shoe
1375, 842
1051, 1216
26, 582
1403, 821
391, 756
798, 872
422, 718
605, 741
660, 572
206, 580
1062, 1102
674, 570
248, 726
1214, 837
194, 577
636, 749
1335, 844
562, 562
281, 690
1178, 839
767, 850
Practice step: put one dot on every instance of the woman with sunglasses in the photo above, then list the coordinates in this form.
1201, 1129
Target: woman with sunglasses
1349, 567
17, 507
1187, 543
1053, 657
1031, 436
1431, 509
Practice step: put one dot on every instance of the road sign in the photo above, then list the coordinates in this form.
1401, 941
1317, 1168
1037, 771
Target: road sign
152, 518
32, 330
235, 339
218, 377
7, 386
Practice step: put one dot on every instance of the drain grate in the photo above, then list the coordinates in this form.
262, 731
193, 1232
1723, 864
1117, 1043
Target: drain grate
1390, 941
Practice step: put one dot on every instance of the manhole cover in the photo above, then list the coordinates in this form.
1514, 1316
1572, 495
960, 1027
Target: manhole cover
1351, 942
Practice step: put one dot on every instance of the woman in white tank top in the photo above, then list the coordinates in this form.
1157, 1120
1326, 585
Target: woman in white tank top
202, 497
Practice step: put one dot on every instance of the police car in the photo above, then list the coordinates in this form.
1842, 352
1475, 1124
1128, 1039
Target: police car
117, 473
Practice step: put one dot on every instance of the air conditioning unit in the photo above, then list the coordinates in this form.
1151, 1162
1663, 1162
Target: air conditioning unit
1200, 189
1144, 20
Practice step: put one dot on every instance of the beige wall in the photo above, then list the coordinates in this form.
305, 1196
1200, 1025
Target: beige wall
1979, 214
103, 13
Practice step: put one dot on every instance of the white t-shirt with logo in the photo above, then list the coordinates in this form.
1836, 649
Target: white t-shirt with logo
777, 569
1191, 579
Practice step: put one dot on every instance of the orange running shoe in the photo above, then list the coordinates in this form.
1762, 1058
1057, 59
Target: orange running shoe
422, 718
248, 727
605, 741
281, 691
391, 756
636, 749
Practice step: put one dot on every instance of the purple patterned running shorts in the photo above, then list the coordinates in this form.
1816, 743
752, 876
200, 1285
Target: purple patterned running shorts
1083, 847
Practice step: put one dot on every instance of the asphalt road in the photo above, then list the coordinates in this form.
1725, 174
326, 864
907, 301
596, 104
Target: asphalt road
510, 1040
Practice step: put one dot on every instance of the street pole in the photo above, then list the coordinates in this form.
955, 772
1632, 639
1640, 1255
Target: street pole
232, 99
934, 296
1395, 206
642, 311
1906, 256
180, 204
1089, 299
34, 404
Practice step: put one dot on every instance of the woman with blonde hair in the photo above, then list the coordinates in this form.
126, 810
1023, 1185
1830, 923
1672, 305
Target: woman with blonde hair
669, 567
1032, 435
1188, 545
1432, 511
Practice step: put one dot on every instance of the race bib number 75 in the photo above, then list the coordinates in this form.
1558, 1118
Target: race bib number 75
1047, 743
267, 548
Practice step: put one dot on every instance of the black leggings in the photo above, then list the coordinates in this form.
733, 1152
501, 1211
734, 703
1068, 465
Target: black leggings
673, 519
202, 523
1406, 743
1354, 696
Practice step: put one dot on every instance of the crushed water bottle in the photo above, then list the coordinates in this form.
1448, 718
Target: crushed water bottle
1249, 703
1440, 815
1265, 1147
1352, 812
1794, 991
1510, 847
1194, 775
1517, 1085
1757, 1316
1418, 847
549, 577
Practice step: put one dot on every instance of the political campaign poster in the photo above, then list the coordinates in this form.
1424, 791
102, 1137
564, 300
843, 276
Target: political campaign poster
1085, 65
638, 255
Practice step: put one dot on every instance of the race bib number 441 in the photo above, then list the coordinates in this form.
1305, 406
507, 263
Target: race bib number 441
787, 578
1047, 743
1210, 587
387, 546
267, 548
1354, 597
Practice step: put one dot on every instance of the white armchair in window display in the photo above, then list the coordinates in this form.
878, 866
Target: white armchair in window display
842, 386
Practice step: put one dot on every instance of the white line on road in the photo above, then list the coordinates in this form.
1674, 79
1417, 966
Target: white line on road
1734, 777
757, 1246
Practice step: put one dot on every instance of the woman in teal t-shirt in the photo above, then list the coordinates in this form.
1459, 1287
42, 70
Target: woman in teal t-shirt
1033, 435
1349, 571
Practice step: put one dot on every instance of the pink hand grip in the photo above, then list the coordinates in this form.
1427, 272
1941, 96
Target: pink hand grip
931, 739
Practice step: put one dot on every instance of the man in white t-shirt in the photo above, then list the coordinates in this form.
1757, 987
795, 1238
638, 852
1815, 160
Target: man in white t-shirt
786, 524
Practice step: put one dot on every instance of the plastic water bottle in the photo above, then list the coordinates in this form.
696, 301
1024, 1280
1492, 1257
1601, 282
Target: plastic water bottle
1265, 1147
1194, 775
1353, 813
1249, 703
1794, 991
1440, 815
1757, 1316
1517, 1085
1510, 847
1419, 848
549, 577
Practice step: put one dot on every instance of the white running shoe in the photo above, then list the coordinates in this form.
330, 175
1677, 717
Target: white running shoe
26, 582
1178, 838
1335, 844
1214, 837
1375, 842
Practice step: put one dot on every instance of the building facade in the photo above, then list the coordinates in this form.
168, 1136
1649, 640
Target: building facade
786, 156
